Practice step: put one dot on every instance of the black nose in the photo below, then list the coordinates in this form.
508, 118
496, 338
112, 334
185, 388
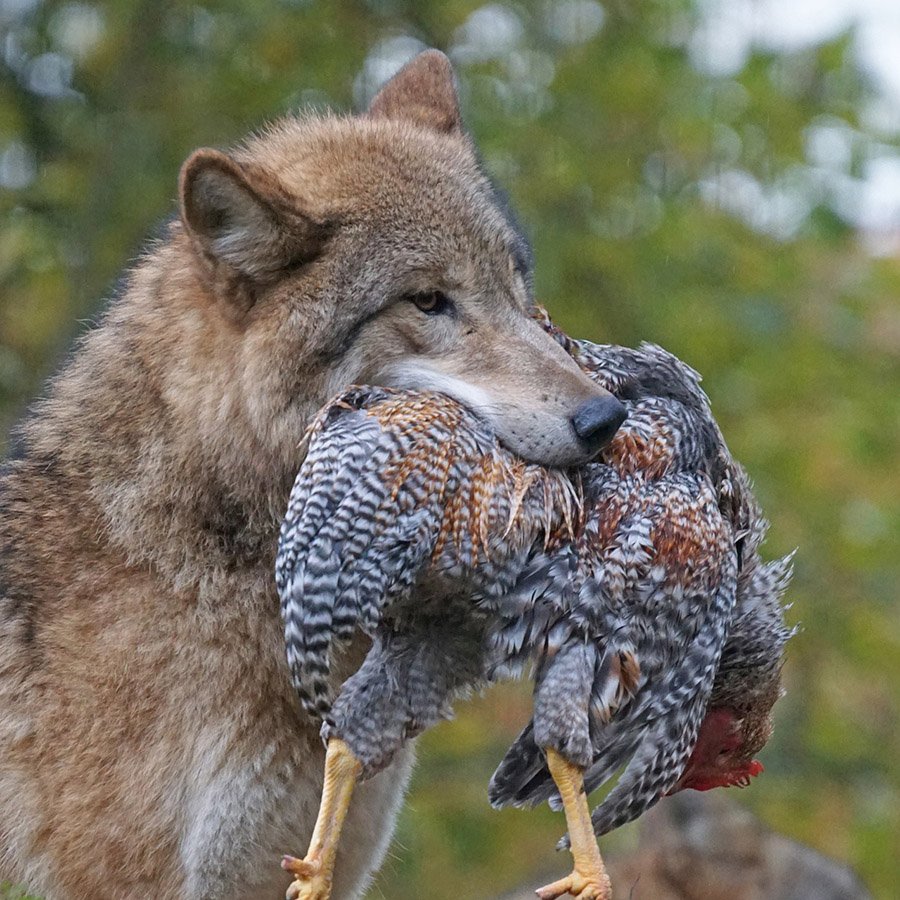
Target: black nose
597, 420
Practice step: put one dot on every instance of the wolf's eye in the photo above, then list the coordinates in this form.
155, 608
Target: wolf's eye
432, 303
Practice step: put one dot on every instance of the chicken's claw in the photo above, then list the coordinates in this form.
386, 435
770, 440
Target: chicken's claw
311, 881
313, 875
588, 880
595, 886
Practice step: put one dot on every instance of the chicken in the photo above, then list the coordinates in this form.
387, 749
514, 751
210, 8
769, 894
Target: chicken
635, 588
617, 583
738, 720
399, 490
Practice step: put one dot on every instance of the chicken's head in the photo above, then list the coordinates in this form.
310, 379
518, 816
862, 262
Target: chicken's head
723, 754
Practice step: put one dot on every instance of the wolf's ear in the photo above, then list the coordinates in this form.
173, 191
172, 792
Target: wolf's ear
424, 92
240, 220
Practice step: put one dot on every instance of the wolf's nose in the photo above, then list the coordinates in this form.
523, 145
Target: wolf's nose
597, 420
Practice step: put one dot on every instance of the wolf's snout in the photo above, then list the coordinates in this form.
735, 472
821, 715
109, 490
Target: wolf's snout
597, 420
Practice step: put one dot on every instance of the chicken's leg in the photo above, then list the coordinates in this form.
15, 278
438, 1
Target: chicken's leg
314, 874
588, 880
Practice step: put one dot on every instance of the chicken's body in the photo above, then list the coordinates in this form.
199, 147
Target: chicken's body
617, 582
402, 489
666, 575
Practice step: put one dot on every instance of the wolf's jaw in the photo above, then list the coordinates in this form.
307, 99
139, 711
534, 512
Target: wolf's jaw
542, 440
419, 376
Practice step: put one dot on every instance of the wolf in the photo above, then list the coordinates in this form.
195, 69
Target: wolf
151, 744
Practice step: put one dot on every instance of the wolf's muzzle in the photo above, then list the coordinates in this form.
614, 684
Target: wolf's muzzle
597, 420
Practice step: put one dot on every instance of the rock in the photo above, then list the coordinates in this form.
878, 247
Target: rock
707, 847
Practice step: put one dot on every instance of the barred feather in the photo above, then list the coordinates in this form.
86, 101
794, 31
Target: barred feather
394, 483
733, 650
633, 588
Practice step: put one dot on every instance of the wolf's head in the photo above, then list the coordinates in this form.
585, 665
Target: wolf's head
373, 249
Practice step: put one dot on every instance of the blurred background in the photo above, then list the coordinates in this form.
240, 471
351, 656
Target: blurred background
719, 176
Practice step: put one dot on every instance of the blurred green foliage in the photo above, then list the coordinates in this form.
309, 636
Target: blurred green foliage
665, 203
11, 892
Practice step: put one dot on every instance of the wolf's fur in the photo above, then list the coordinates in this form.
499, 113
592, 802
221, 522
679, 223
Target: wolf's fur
150, 741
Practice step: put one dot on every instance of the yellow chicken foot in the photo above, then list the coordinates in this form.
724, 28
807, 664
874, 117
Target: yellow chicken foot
588, 880
314, 874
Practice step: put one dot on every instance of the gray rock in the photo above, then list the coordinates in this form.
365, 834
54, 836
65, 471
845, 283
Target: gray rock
707, 847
